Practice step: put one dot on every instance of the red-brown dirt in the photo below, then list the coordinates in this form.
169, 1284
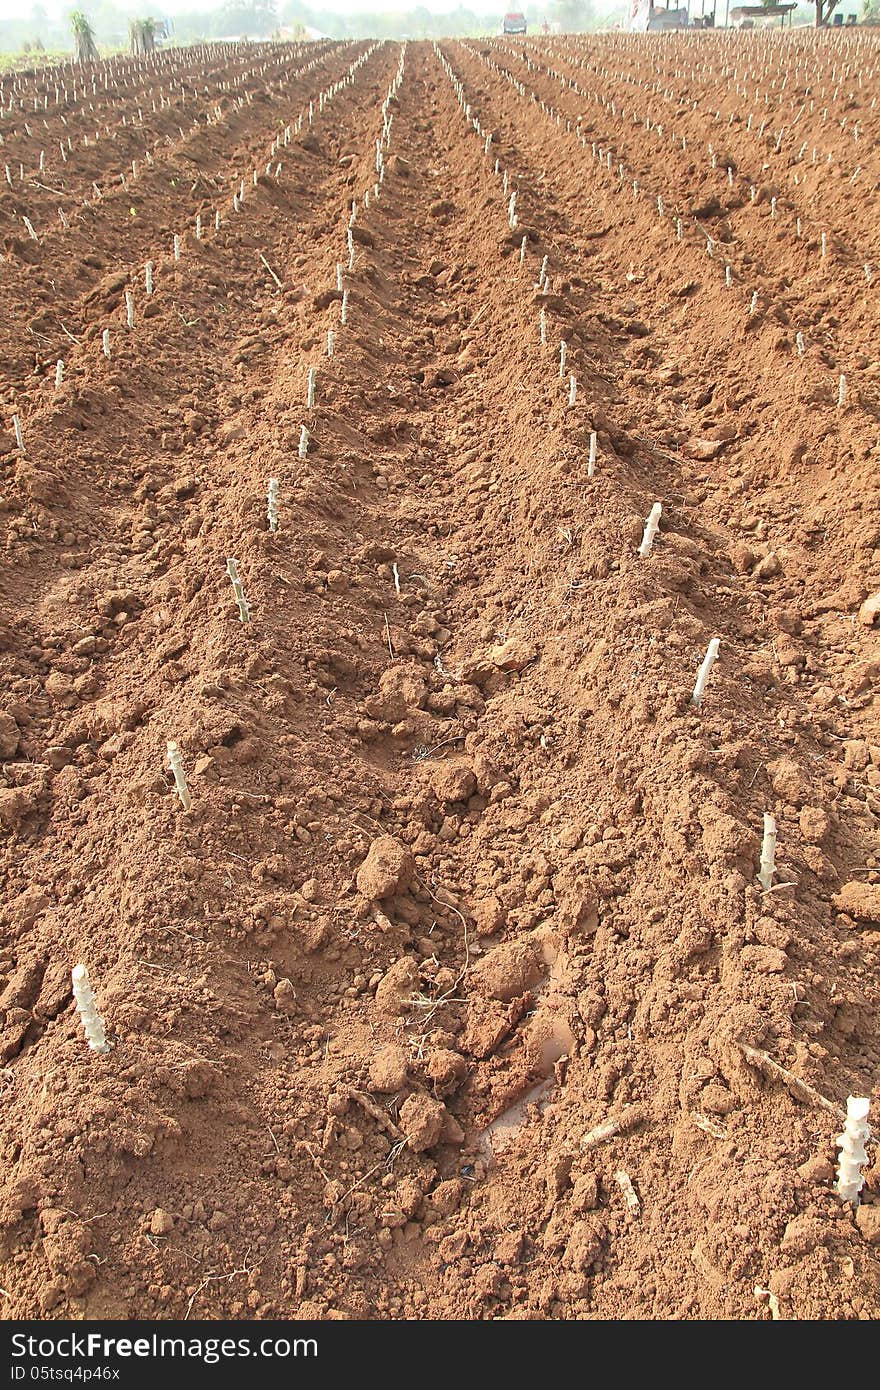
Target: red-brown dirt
455, 993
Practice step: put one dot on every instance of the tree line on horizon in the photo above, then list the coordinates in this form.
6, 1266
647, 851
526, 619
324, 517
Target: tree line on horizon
139, 23
113, 23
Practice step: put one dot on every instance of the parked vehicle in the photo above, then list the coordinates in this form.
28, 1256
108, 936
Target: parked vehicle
513, 23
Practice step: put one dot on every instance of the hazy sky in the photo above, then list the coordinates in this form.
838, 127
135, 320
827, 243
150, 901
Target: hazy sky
16, 9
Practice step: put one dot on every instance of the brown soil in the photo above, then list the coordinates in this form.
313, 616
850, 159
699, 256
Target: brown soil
460, 848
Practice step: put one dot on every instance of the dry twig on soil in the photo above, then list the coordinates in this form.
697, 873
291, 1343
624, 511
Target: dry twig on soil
801, 1090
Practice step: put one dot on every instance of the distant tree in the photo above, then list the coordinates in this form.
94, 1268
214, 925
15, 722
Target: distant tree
86, 50
142, 35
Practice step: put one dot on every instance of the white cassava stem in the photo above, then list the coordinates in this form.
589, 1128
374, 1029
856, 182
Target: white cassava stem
105, 342
841, 391
148, 278
703, 674
59, 373
176, 247
92, 1022
272, 504
572, 391
652, 526
175, 762
329, 342
244, 608
19, 437
851, 1142
303, 446
591, 461
276, 278
522, 249
563, 352
310, 389
768, 852
344, 312
129, 308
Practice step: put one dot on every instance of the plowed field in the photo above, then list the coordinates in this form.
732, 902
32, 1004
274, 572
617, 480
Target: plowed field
454, 992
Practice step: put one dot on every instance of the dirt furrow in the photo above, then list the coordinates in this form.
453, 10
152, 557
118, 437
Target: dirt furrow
756, 236
58, 289
97, 160
701, 316
809, 188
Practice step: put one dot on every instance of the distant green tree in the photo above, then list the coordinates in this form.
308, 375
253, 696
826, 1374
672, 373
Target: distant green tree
85, 47
142, 35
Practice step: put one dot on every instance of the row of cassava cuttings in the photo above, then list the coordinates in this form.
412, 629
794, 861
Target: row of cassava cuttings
754, 310
820, 240
273, 497
199, 228
92, 1022
851, 1142
210, 117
